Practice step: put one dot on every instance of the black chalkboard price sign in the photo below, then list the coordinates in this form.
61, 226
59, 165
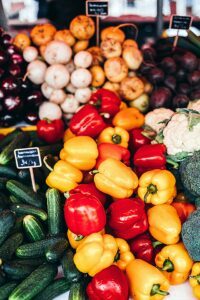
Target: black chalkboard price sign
27, 158
180, 22
96, 8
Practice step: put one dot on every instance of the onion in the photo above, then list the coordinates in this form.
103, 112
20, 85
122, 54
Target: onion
83, 59
57, 96
70, 66
57, 52
30, 53
49, 110
70, 88
36, 71
81, 78
70, 104
46, 90
83, 95
57, 76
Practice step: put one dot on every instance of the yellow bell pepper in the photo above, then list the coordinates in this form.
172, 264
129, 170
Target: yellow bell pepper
81, 152
157, 187
75, 240
123, 105
128, 118
175, 263
95, 253
114, 135
68, 134
124, 256
164, 223
115, 179
195, 279
146, 282
64, 177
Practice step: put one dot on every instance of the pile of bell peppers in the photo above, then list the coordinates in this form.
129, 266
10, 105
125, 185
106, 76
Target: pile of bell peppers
122, 211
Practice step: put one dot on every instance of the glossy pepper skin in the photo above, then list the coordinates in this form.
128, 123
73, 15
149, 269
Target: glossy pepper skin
184, 210
68, 135
75, 240
137, 139
124, 256
87, 121
106, 102
128, 118
146, 282
164, 223
84, 214
64, 177
195, 279
50, 131
95, 253
107, 150
109, 284
114, 135
81, 152
115, 179
150, 156
127, 218
89, 189
157, 187
175, 263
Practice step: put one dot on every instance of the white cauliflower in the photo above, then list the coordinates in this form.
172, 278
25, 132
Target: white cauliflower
154, 117
195, 105
181, 134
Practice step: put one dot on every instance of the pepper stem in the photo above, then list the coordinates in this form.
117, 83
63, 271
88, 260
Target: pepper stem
67, 195
117, 256
156, 243
46, 164
93, 172
116, 138
168, 266
197, 277
151, 189
78, 237
97, 103
156, 291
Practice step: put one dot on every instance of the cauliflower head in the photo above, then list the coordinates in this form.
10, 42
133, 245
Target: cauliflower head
154, 117
179, 136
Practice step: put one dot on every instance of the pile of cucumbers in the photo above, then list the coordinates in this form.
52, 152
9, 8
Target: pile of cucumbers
33, 242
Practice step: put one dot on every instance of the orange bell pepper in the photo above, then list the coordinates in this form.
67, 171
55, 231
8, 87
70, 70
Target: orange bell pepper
128, 118
114, 135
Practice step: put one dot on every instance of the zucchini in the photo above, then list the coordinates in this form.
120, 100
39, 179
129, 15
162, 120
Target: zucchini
51, 149
54, 211
55, 251
71, 273
77, 291
24, 209
2, 278
3, 181
10, 245
14, 200
24, 193
33, 228
19, 141
8, 171
7, 289
56, 288
36, 249
4, 201
29, 262
17, 271
39, 279
9, 137
25, 177
7, 221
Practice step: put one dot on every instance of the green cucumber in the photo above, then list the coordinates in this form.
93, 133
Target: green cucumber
9, 137
2, 278
37, 281
71, 273
3, 181
54, 211
10, 245
7, 221
24, 193
19, 141
17, 271
29, 262
24, 209
33, 228
8, 171
77, 291
36, 249
14, 200
4, 201
55, 251
7, 289
56, 288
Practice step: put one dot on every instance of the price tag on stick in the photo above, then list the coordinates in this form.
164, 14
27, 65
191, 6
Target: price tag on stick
28, 158
180, 22
97, 9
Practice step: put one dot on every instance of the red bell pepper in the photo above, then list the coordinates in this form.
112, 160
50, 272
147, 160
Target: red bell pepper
150, 157
89, 189
109, 284
107, 150
50, 131
106, 102
127, 218
84, 214
183, 209
87, 121
137, 139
